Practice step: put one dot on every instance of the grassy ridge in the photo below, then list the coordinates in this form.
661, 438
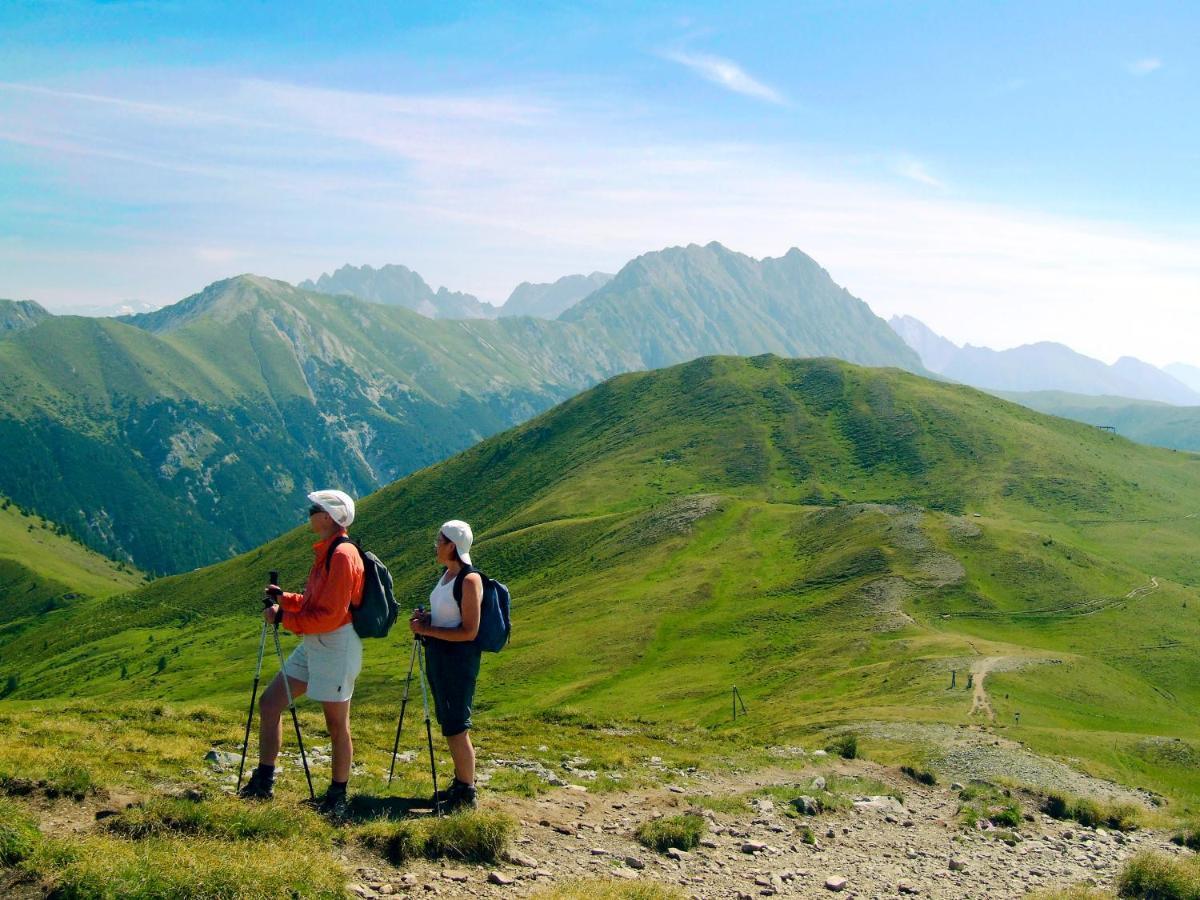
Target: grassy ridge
41, 568
830, 539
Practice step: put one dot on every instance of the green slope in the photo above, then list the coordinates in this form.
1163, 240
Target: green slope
1144, 421
214, 417
831, 539
42, 568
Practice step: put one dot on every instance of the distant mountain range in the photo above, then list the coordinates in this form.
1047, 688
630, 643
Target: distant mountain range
1044, 366
395, 285
212, 417
1145, 421
549, 301
685, 302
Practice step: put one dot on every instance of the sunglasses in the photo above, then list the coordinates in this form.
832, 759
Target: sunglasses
313, 510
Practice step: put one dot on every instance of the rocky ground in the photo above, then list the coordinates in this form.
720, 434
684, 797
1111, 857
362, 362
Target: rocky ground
879, 848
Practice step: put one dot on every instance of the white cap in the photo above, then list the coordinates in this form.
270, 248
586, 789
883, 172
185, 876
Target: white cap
338, 504
459, 533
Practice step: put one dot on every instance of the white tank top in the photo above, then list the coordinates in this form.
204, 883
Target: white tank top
443, 610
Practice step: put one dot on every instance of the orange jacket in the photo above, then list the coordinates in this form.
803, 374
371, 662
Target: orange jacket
325, 604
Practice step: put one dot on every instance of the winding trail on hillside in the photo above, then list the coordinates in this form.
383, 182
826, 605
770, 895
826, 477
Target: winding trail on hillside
1078, 609
980, 704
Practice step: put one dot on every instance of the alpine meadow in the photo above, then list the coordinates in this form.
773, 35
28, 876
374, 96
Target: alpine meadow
563, 452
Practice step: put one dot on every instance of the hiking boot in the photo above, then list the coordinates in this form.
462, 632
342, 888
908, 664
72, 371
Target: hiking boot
462, 796
334, 805
444, 794
261, 786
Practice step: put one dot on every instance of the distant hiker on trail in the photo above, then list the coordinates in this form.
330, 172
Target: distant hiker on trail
328, 660
451, 654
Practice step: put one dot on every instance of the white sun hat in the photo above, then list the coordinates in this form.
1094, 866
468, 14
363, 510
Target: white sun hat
338, 504
460, 534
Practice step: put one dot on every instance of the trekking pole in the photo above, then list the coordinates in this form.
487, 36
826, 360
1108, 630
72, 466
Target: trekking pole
437, 800
262, 646
287, 688
412, 659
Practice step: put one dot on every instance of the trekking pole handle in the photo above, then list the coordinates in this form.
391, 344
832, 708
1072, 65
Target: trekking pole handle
272, 578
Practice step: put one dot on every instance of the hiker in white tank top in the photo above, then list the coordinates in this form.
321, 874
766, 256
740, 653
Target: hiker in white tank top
452, 656
443, 608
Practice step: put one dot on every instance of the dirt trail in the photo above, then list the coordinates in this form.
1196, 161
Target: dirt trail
980, 704
875, 845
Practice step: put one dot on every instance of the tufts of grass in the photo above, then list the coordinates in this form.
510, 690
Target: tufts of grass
197, 868
609, 889
19, 835
921, 776
1093, 813
71, 781
65, 780
682, 832
807, 836
1160, 877
985, 802
518, 782
1189, 837
472, 836
1071, 892
721, 803
223, 818
844, 745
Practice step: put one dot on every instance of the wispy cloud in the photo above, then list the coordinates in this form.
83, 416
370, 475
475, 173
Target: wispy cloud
915, 170
480, 192
1143, 67
726, 73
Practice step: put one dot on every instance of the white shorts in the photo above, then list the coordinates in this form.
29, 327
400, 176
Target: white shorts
328, 664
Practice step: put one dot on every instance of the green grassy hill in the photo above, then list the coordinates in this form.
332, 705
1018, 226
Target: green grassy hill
215, 416
42, 569
831, 539
1144, 421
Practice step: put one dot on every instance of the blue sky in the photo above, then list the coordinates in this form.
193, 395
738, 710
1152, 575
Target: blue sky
1008, 172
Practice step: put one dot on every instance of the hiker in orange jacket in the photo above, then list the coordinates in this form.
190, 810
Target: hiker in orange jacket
328, 659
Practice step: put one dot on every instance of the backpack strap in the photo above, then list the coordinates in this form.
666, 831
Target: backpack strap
460, 578
337, 542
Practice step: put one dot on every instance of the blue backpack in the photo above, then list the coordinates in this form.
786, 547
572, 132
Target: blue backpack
495, 624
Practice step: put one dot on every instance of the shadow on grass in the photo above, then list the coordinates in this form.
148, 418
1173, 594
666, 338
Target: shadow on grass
367, 808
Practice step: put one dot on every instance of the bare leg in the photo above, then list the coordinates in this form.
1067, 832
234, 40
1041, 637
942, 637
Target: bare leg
270, 707
463, 753
337, 721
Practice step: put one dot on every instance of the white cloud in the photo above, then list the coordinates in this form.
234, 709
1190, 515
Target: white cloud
915, 170
726, 73
1144, 66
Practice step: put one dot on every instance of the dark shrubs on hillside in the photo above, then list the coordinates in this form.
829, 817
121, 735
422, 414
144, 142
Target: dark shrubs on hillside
480, 837
1189, 837
844, 745
1161, 877
19, 834
681, 832
1092, 813
921, 776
